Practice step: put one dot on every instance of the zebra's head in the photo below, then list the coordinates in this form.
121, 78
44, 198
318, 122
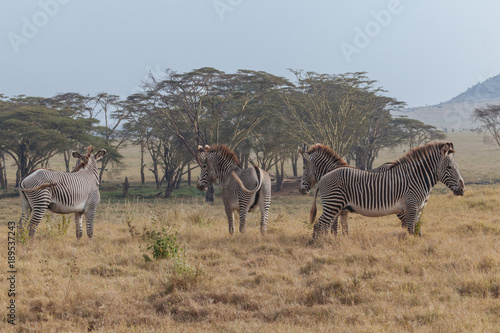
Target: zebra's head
88, 161
207, 173
308, 179
447, 170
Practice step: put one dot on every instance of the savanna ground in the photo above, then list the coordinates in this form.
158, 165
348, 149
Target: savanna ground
378, 279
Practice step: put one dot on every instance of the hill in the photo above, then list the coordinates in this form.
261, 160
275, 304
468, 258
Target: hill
455, 114
483, 91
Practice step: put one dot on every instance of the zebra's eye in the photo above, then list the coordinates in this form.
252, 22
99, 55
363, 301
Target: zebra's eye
449, 167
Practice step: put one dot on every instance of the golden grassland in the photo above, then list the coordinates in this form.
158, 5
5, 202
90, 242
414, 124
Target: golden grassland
378, 279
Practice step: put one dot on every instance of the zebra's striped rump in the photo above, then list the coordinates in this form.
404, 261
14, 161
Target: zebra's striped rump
242, 189
62, 192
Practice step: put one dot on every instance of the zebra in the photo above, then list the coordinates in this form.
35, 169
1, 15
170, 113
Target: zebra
219, 162
402, 188
318, 160
62, 193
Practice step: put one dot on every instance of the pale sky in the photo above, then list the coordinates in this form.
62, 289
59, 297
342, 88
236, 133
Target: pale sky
422, 52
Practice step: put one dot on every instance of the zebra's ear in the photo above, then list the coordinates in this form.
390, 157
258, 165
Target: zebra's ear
77, 155
200, 148
446, 148
301, 151
207, 147
100, 154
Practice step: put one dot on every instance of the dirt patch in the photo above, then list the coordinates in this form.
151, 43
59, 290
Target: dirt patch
289, 187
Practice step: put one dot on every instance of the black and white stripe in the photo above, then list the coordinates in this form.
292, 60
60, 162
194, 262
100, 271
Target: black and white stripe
63, 193
318, 161
402, 189
242, 189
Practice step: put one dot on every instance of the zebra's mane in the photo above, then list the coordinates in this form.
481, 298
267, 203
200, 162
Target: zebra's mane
322, 149
421, 153
225, 152
85, 161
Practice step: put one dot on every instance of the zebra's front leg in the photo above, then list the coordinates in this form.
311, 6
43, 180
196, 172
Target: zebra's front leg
324, 223
401, 216
230, 218
78, 224
335, 223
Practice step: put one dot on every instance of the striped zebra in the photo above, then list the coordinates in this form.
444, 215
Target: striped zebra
402, 188
318, 161
219, 162
62, 193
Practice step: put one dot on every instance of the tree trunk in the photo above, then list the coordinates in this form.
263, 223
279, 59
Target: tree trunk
67, 159
3, 171
179, 179
189, 175
143, 176
279, 174
126, 186
295, 159
210, 194
361, 158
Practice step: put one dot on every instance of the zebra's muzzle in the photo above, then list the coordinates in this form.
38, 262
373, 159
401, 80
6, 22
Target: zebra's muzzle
201, 187
459, 191
303, 190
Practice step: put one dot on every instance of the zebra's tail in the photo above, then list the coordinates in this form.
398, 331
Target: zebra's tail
314, 210
39, 187
259, 176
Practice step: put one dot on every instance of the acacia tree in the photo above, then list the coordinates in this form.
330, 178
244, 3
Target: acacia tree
378, 133
208, 106
76, 106
331, 109
489, 118
32, 133
416, 133
112, 114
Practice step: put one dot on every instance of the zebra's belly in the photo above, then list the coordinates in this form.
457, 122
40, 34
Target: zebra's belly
394, 209
60, 208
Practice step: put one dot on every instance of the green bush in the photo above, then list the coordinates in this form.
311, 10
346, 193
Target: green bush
162, 242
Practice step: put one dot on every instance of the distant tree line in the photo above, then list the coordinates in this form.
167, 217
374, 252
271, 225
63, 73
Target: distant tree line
262, 117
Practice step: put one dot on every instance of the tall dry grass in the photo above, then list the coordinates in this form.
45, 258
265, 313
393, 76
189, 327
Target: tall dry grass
378, 279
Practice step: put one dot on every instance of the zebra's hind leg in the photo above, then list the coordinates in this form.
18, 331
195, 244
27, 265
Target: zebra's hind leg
230, 218
38, 213
243, 218
264, 204
78, 223
411, 214
90, 222
25, 214
343, 222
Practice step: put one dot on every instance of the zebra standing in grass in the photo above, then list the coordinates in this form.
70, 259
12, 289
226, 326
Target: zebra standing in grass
403, 188
318, 161
219, 162
62, 193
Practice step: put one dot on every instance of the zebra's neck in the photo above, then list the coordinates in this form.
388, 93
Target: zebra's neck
93, 170
224, 170
423, 170
324, 165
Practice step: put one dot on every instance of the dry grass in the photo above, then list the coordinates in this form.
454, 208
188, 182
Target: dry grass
376, 280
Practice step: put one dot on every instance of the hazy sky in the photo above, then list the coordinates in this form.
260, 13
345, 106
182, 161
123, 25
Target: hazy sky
422, 52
